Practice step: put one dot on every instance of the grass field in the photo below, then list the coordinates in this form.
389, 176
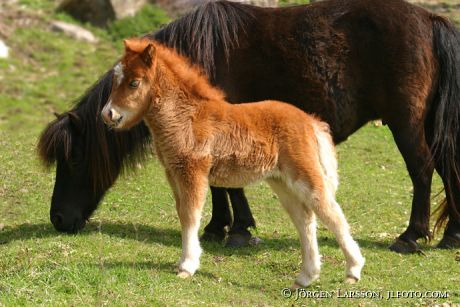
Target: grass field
128, 252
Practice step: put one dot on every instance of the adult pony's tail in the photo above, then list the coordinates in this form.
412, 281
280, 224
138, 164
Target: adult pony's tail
446, 115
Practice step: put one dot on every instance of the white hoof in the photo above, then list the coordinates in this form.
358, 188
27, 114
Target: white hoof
184, 274
303, 281
189, 265
354, 271
351, 280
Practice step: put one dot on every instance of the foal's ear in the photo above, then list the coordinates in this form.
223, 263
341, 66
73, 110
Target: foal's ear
148, 55
128, 45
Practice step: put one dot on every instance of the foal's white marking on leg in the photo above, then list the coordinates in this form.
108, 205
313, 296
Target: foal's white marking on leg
118, 73
355, 260
190, 214
330, 213
305, 223
191, 250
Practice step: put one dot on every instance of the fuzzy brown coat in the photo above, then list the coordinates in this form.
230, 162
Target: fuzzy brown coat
201, 139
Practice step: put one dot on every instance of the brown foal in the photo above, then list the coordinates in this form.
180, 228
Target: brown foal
202, 140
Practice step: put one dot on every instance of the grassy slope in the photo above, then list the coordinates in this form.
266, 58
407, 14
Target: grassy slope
127, 254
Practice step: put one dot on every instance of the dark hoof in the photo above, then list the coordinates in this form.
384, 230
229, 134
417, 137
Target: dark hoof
255, 241
236, 240
212, 237
405, 247
449, 242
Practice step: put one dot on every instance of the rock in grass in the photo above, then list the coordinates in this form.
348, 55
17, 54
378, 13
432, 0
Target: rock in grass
4, 51
101, 12
74, 31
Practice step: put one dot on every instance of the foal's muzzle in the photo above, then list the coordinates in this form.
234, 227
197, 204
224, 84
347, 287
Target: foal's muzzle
111, 117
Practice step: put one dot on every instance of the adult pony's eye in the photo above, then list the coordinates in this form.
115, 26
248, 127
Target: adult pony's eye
134, 84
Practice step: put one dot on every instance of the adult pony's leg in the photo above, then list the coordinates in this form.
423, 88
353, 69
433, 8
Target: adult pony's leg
221, 216
411, 142
451, 237
305, 223
239, 234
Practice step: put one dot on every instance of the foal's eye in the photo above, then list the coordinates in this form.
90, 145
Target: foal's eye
134, 84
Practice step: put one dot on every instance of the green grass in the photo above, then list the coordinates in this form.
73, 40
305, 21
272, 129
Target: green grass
150, 17
292, 2
128, 252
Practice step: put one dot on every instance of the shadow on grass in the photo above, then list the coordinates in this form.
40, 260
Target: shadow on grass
171, 237
165, 236
169, 267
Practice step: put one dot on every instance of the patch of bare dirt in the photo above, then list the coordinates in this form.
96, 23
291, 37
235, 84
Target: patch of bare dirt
14, 16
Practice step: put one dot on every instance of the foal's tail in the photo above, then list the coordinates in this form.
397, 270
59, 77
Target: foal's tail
327, 155
445, 115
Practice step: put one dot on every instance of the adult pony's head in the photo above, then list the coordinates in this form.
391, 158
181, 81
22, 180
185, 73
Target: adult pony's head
88, 157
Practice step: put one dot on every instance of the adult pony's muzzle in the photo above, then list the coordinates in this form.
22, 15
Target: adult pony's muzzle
69, 223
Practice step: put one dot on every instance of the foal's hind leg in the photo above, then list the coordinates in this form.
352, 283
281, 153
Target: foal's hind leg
305, 223
331, 215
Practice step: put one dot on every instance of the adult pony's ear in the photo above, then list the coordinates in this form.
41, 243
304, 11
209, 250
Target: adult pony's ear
56, 140
148, 55
75, 120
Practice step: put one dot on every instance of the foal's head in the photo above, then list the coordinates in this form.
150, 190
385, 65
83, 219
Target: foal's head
132, 85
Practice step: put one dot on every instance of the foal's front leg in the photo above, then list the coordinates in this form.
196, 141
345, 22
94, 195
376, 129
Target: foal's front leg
191, 195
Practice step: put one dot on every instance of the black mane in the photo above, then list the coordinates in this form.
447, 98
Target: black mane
106, 152
210, 30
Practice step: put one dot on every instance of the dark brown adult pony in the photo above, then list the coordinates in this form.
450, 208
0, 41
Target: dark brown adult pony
346, 61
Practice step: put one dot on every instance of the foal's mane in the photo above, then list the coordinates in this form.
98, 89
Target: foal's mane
191, 76
210, 31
